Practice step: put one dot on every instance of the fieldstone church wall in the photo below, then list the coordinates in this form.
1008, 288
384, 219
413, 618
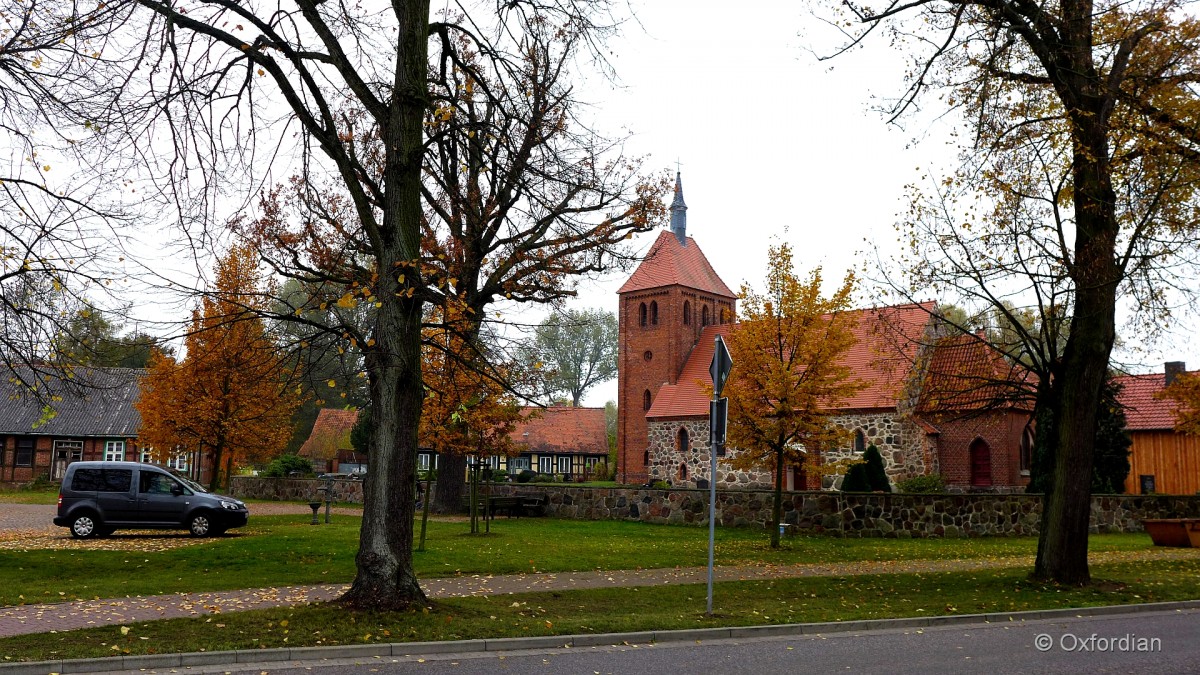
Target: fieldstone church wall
900, 442
833, 513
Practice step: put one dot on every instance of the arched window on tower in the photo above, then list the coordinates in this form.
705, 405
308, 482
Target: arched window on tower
642, 315
704, 315
654, 313
687, 313
682, 441
724, 316
860, 441
682, 471
646, 400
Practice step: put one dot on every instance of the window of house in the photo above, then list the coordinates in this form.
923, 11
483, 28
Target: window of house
642, 315
564, 465
179, 462
114, 451
147, 456
704, 315
422, 461
860, 441
25, 445
683, 471
654, 313
71, 451
682, 441
646, 400
545, 464
687, 313
519, 464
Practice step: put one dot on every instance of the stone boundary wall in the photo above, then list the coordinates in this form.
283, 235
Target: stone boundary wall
293, 489
833, 513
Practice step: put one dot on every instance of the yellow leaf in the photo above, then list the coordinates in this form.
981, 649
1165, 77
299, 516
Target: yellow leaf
332, 383
347, 301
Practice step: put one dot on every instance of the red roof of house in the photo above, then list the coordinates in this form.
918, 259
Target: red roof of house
882, 356
331, 425
563, 429
1143, 410
964, 374
670, 263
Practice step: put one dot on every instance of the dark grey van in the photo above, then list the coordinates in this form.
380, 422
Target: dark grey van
99, 497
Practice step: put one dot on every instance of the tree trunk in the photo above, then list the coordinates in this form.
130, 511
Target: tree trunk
777, 508
1062, 543
385, 577
451, 483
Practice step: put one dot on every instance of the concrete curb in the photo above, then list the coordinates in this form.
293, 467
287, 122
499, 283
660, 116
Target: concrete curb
407, 649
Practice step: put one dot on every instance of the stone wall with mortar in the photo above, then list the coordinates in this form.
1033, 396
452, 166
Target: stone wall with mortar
833, 513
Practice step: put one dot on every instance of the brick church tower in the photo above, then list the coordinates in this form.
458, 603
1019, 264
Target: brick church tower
672, 295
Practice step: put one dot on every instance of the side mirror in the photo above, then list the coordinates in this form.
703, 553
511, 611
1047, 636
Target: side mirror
177, 489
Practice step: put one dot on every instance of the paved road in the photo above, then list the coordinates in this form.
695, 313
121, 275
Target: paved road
983, 648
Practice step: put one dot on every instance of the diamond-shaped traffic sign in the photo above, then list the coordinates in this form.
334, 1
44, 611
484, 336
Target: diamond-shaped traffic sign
719, 369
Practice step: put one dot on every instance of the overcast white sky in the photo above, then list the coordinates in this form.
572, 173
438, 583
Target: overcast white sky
774, 143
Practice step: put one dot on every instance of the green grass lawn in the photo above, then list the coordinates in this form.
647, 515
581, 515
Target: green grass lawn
29, 496
625, 609
286, 550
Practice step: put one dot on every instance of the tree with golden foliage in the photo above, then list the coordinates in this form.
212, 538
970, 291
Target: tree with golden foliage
466, 411
1185, 392
787, 371
230, 395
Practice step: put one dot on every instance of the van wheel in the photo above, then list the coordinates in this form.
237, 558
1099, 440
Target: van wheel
85, 526
201, 525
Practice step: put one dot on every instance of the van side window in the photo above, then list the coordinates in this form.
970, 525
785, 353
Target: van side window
156, 483
117, 480
88, 480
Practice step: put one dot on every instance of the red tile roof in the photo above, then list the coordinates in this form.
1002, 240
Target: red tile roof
670, 263
887, 342
330, 429
563, 429
1143, 410
965, 374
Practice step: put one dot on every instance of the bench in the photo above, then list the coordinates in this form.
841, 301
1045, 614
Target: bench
1180, 532
490, 506
534, 504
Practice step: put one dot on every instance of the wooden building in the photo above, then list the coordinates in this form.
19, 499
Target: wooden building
1161, 459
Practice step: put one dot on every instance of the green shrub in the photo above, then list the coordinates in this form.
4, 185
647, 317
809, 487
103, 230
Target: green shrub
430, 474
660, 485
286, 465
876, 475
923, 484
525, 476
500, 475
542, 478
856, 479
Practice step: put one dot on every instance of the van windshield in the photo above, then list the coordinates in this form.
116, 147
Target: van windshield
196, 487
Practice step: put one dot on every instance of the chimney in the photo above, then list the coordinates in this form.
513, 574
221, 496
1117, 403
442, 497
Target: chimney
1172, 370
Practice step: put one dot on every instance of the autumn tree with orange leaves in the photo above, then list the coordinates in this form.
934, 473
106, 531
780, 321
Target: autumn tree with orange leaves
230, 395
787, 371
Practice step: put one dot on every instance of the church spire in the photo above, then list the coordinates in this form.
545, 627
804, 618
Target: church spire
679, 212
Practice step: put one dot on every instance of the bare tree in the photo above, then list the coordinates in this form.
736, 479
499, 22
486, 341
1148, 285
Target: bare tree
1081, 112
371, 217
60, 234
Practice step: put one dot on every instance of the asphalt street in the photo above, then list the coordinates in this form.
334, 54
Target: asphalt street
1154, 642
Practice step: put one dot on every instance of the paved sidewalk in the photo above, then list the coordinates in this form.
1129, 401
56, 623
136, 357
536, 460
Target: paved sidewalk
43, 618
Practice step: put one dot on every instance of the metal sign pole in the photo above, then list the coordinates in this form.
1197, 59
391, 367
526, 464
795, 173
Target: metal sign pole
719, 370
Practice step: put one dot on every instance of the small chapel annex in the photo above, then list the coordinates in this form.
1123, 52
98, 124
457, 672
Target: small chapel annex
930, 403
